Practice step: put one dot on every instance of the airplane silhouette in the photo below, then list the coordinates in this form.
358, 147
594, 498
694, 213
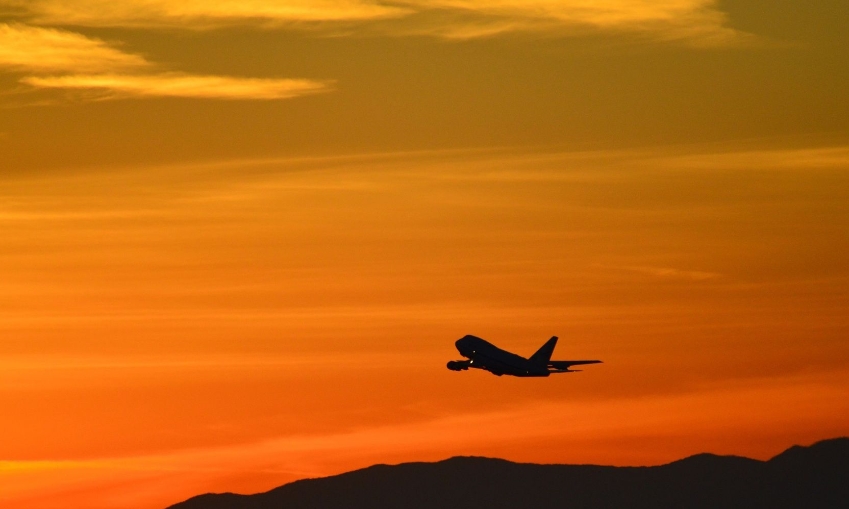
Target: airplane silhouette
482, 354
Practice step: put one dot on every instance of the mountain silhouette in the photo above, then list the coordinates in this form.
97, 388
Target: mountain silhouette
800, 477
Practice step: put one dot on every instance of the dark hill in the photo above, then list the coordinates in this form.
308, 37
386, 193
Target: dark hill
800, 477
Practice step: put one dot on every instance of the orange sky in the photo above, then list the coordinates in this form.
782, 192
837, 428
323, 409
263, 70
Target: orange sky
238, 242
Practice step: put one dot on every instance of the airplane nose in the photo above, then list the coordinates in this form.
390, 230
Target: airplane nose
462, 345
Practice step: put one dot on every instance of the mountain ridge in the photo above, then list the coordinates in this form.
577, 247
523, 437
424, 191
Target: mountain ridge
815, 476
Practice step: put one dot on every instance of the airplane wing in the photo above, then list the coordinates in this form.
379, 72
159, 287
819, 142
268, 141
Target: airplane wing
565, 365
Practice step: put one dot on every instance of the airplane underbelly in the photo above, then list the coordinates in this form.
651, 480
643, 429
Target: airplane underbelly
499, 367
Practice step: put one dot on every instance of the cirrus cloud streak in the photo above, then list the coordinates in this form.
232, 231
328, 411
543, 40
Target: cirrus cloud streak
695, 20
698, 21
60, 59
181, 85
197, 13
40, 50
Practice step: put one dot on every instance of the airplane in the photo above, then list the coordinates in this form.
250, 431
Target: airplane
482, 354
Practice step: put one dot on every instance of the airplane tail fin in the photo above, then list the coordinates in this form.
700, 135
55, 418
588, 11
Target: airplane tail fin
543, 355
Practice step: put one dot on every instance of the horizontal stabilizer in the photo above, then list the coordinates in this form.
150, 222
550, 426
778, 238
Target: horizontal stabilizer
565, 365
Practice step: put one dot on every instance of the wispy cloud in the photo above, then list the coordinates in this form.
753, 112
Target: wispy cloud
180, 85
775, 160
199, 13
697, 20
59, 59
46, 50
671, 273
693, 20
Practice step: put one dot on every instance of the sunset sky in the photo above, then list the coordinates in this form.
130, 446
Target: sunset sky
238, 239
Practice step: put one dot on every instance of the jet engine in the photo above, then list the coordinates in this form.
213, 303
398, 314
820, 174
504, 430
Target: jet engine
458, 365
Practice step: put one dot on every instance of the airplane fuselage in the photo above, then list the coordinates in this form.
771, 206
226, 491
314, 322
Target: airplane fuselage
484, 355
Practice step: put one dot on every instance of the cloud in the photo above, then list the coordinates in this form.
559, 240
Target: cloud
671, 273
43, 50
694, 20
199, 13
589, 12
59, 59
181, 85
822, 158
667, 19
